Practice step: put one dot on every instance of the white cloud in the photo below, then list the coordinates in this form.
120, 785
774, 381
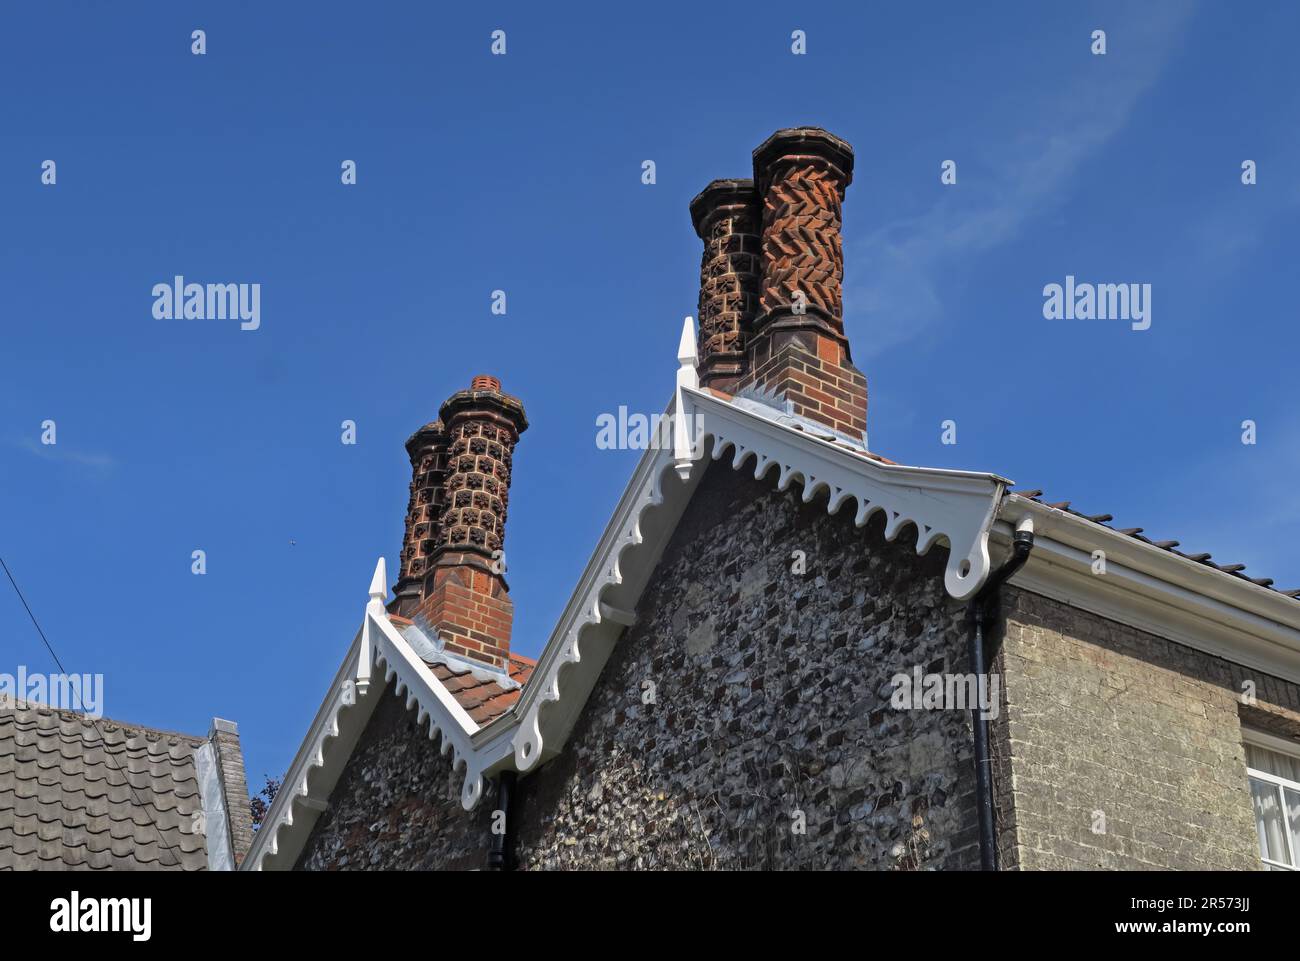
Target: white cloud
1031, 157
59, 452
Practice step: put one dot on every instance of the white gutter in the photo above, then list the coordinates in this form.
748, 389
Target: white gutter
1156, 590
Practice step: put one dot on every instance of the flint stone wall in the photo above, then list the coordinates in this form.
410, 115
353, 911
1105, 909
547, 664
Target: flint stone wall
772, 701
396, 806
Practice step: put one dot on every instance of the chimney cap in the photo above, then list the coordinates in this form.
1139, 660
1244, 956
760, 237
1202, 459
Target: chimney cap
430, 433
221, 726
804, 140
485, 394
716, 195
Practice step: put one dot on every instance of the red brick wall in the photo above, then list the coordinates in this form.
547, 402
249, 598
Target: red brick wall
815, 374
471, 611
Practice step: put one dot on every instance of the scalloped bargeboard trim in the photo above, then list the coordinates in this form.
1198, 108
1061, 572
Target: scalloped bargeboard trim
952, 507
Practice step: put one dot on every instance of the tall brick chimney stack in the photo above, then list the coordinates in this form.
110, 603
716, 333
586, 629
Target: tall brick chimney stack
797, 349
427, 449
464, 596
727, 218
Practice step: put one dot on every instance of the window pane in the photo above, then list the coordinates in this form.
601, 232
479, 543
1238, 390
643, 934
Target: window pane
1293, 816
1268, 820
1273, 762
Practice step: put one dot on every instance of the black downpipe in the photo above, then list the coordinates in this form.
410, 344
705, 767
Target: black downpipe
501, 857
983, 613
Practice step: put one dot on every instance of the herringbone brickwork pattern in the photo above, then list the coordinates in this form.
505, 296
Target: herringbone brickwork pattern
801, 240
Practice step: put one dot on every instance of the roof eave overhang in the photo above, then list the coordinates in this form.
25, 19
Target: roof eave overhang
1155, 590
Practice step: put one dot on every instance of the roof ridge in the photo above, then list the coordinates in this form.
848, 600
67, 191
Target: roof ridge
13, 705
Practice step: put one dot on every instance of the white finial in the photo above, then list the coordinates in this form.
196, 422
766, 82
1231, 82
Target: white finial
686, 349
374, 612
687, 377
378, 583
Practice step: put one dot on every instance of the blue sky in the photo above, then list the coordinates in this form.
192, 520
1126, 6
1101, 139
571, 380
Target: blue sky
522, 173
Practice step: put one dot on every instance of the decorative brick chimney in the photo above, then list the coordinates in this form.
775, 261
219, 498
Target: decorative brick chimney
797, 350
726, 217
427, 449
463, 592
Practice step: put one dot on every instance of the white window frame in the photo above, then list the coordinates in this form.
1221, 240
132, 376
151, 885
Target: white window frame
1290, 748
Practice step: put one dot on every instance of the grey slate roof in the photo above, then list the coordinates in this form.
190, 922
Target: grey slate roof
67, 798
1235, 570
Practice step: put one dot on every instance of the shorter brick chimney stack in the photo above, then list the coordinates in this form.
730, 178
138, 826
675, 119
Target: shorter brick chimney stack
427, 449
726, 218
775, 327
453, 563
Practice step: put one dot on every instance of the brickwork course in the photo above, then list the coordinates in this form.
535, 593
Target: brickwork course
230, 759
